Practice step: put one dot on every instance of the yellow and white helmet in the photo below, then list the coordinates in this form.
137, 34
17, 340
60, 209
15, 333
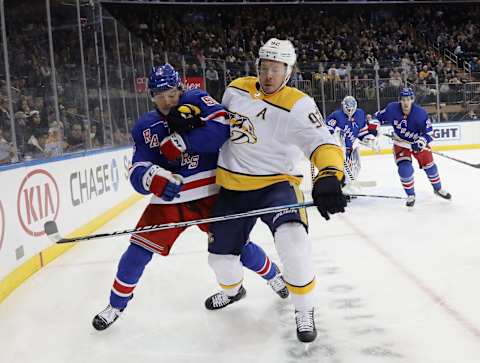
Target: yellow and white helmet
281, 51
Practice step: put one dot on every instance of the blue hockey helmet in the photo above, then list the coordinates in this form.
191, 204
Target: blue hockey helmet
349, 105
407, 92
163, 78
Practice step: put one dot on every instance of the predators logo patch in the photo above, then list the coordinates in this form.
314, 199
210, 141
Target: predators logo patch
242, 130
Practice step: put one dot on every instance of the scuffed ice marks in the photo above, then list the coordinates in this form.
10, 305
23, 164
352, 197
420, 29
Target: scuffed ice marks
348, 331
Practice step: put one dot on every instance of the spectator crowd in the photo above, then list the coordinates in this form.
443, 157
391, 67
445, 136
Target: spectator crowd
39, 133
334, 43
395, 37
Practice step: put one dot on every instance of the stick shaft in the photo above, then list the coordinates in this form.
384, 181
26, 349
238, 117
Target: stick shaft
160, 227
377, 196
407, 145
455, 159
253, 213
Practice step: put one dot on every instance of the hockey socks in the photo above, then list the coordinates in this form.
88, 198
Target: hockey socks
432, 172
254, 258
405, 171
130, 269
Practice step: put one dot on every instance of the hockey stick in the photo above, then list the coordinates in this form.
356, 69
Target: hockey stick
52, 232
361, 183
477, 166
348, 170
51, 228
408, 146
376, 196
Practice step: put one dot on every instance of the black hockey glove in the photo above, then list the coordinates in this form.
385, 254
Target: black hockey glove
184, 118
328, 196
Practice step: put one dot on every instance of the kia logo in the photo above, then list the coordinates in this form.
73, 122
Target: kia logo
38, 201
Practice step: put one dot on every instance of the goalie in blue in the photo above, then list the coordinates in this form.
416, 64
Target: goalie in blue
350, 127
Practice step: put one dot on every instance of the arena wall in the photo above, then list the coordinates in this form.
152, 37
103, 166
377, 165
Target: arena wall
448, 136
81, 192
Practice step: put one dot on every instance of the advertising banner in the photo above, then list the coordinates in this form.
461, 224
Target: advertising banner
70, 191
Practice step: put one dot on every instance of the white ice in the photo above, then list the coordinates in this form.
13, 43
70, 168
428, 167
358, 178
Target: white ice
393, 286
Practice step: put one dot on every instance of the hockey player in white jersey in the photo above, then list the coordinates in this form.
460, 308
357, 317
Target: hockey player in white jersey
271, 124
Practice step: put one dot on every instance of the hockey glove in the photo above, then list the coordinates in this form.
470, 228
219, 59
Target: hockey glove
172, 147
373, 127
328, 196
162, 183
184, 118
419, 144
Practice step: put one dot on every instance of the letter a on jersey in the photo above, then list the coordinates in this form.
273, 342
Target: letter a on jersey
262, 113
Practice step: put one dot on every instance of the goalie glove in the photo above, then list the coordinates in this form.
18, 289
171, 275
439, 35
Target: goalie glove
371, 141
373, 127
162, 183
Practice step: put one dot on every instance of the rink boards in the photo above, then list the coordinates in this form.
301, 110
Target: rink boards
447, 135
81, 192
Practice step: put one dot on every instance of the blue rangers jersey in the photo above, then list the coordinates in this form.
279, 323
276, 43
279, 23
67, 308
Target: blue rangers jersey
198, 164
352, 128
407, 127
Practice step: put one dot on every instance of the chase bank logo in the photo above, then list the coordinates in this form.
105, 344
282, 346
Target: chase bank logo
114, 174
94, 182
242, 130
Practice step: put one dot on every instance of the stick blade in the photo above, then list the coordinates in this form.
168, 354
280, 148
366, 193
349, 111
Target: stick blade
367, 183
51, 230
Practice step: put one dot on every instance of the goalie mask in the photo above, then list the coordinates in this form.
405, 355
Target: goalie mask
349, 106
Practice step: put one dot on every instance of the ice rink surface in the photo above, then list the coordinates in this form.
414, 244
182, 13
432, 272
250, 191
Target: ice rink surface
393, 285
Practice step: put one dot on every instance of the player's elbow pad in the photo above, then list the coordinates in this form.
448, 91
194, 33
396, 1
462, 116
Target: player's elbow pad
329, 159
136, 179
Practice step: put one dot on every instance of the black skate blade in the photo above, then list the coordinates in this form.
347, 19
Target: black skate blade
444, 197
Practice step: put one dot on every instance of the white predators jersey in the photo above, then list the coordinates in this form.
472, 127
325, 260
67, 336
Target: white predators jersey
269, 134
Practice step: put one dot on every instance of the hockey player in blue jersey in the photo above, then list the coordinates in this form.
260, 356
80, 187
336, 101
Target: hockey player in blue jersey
412, 137
183, 189
349, 124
